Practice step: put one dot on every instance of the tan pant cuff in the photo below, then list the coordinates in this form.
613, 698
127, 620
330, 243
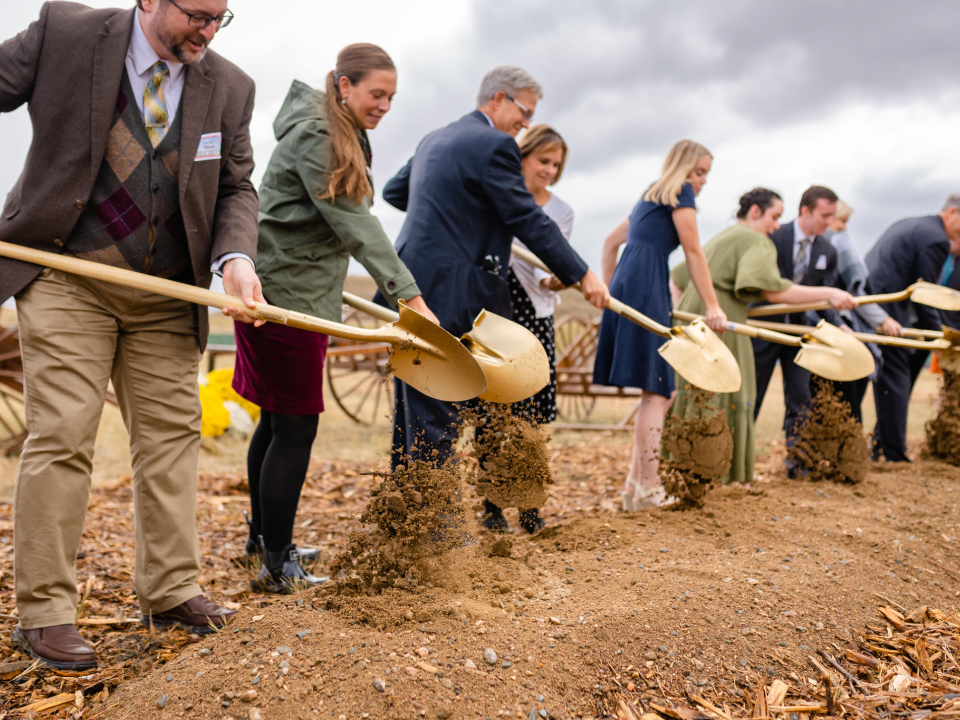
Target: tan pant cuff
50, 620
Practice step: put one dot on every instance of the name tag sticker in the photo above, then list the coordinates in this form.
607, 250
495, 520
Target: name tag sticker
821, 262
209, 148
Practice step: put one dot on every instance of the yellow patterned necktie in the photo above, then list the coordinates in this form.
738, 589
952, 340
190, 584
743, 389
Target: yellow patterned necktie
155, 115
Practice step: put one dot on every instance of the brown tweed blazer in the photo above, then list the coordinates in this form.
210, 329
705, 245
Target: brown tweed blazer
67, 66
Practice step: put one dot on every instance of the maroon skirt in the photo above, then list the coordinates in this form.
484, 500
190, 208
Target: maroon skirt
280, 368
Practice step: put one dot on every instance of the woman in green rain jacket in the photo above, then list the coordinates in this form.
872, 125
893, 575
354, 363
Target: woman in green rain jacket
314, 215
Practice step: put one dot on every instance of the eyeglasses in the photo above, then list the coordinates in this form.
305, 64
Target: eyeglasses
203, 21
527, 114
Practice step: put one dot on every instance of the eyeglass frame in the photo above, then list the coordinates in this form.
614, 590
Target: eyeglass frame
527, 113
221, 20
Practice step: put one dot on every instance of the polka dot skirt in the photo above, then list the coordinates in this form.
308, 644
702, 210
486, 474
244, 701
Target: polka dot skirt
542, 407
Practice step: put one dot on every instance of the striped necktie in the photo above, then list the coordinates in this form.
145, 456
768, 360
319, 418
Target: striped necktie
801, 262
155, 115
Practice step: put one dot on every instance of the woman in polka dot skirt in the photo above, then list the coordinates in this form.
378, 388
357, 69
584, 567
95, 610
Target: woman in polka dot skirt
533, 292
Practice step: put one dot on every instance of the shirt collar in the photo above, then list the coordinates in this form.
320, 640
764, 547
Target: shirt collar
487, 117
799, 234
144, 56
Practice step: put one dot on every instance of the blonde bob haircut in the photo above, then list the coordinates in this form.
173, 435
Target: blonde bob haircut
543, 138
844, 211
680, 162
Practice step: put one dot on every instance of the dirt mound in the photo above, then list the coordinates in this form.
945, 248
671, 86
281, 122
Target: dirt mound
414, 517
943, 432
697, 451
507, 458
831, 445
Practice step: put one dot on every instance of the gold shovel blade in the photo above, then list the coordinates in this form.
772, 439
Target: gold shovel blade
835, 354
938, 296
701, 358
446, 371
514, 362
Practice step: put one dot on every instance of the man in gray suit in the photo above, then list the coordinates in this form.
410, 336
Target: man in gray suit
140, 159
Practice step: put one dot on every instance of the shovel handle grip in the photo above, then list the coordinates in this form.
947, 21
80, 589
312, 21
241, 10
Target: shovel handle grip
624, 311
786, 309
180, 291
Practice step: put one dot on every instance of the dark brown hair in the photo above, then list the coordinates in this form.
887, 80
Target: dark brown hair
762, 197
347, 165
543, 138
814, 193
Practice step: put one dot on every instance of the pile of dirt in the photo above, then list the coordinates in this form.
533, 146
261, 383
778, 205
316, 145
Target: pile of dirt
831, 443
414, 517
697, 451
943, 432
507, 458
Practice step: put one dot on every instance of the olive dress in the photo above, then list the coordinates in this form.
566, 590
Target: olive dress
742, 263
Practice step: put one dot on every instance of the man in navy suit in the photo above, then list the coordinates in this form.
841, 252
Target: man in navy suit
466, 200
910, 250
807, 258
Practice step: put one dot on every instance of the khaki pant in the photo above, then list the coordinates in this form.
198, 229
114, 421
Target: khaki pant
77, 334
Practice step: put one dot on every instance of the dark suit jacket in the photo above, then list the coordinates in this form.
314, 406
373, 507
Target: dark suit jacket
466, 200
825, 276
67, 66
910, 250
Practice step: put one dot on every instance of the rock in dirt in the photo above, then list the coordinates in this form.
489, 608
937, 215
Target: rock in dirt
471, 665
254, 714
831, 444
697, 450
489, 656
379, 685
248, 696
943, 431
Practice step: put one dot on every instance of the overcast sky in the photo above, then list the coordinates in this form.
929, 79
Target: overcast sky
860, 95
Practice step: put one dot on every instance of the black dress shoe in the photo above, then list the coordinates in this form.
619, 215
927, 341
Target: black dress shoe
282, 573
493, 518
308, 556
531, 521
59, 646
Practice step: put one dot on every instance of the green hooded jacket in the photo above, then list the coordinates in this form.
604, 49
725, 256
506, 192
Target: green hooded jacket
305, 243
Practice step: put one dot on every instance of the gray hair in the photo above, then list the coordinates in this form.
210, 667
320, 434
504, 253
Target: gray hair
508, 79
952, 202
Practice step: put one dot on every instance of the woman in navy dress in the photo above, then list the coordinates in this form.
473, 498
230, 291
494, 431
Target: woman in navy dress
627, 356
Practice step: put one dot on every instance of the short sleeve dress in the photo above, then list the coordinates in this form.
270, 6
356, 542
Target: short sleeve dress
743, 264
626, 353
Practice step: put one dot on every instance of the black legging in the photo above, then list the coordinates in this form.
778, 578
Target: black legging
277, 467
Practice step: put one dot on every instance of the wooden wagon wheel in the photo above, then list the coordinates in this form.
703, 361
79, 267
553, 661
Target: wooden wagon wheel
575, 366
567, 331
357, 373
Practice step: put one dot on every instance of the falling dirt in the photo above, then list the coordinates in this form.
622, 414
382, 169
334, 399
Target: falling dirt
697, 451
414, 517
943, 432
831, 444
507, 458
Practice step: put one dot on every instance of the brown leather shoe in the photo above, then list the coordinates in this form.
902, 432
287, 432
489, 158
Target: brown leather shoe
58, 646
197, 615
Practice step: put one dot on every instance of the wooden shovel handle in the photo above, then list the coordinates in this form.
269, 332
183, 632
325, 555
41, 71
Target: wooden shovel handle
785, 309
936, 344
615, 305
370, 308
180, 291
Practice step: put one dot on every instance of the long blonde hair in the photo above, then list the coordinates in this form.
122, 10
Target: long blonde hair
347, 165
680, 162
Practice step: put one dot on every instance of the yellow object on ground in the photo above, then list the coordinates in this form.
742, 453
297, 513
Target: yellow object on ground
214, 394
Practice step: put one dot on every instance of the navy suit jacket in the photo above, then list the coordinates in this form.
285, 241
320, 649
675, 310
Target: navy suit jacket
824, 276
466, 200
910, 250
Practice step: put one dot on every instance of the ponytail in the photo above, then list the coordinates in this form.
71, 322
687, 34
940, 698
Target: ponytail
347, 164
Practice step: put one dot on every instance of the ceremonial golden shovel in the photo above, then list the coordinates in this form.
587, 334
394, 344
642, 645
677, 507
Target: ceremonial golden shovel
513, 360
694, 351
423, 354
825, 350
938, 343
937, 296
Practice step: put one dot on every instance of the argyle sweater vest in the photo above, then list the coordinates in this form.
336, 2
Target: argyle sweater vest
133, 218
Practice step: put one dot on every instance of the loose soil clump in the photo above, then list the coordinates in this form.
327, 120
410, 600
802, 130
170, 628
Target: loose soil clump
508, 462
417, 516
943, 432
697, 451
831, 444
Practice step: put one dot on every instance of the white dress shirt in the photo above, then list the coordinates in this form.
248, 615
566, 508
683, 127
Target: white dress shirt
544, 301
141, 57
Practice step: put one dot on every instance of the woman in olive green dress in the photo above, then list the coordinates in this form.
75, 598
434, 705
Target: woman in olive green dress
743, 266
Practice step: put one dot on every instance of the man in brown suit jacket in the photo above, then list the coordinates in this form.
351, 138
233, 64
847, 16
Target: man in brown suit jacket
141, 159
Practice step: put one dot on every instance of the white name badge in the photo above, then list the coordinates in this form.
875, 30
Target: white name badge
209, 148
821, 262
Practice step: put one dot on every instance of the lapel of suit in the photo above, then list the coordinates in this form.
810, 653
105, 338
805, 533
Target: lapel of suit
197, 91
108, 64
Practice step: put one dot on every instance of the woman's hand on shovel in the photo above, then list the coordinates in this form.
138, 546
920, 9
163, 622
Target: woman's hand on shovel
595, 290
716, 319
240, 280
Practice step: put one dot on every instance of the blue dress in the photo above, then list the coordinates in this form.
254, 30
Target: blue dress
626, 353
